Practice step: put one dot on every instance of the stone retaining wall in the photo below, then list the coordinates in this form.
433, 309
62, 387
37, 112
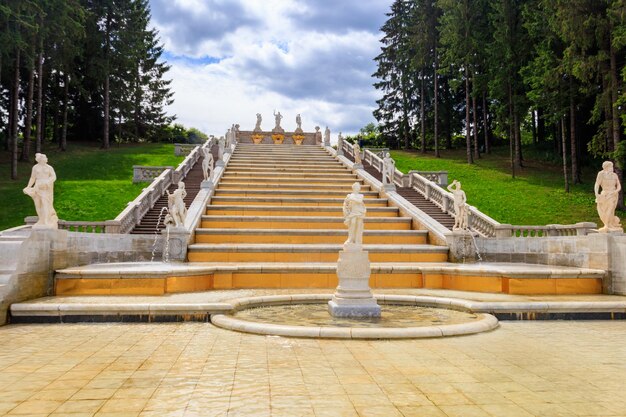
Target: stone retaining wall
596, 250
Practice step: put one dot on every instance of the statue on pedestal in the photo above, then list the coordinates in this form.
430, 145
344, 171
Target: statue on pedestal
41, 189
353, 296
607, 200
277, 118
298, 123
354, 212
176, 205
389, 169
207, 164
460, 206
327, 137
259, 119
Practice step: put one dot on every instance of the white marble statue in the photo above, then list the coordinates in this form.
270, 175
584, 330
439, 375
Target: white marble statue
277, 118
327, 136
607, 200
356, 148
389, 169
460, 206
176, 205
235, 133
354, 213
207, 163
340, 142
298, 122
41, 189
259, 119
228, 138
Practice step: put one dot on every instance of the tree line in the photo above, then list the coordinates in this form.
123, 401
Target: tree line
79, 70
474, 73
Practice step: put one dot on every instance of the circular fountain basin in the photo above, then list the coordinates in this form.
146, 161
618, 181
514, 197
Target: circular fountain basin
307, 316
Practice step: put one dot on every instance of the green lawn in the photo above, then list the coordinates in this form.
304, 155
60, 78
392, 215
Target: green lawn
535, 197
92, 184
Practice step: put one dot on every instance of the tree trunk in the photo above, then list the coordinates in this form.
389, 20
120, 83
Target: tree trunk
436, 96
541, 126
517, 135
615, 119
422, 115
468, 140
28, 122
573, 144
105, 130
475, 123
66, 94
533, 123
486, 124
39, 122
511, 139
564, 153
15, 97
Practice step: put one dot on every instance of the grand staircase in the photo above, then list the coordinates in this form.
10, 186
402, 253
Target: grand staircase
278, 210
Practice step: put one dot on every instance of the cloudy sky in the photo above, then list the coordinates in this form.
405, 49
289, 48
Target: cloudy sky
232, 59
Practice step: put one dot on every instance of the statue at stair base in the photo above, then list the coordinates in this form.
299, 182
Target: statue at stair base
41, 189
460, 206
353, 297
607, 200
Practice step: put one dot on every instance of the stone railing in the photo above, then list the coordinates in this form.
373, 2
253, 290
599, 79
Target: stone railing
184, 167
74, 226
182, 149
578, 229
438, 177
142, 173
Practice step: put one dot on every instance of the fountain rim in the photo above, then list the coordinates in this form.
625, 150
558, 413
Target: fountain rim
487, 323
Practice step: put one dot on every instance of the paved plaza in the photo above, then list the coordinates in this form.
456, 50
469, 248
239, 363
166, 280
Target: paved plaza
195, 369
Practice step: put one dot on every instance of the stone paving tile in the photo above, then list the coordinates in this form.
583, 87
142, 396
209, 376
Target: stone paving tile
555, 369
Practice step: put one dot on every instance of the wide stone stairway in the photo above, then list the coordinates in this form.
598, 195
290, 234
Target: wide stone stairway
276, 216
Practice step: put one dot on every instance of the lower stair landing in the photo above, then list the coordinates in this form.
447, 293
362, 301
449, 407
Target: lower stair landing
158, 278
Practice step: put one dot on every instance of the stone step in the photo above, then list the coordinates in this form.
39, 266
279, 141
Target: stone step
282, 159
302, 164
206, 252
291, 170
291, 180
297, 175
332, 211
276, 192
347, 188
301, 222
307, 236
293, 201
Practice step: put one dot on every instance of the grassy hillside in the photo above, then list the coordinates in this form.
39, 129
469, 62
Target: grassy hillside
92, 184
535, 197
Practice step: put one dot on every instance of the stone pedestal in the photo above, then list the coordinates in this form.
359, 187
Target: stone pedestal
220, 163
357, 166
353, 297
207, 185
389, 187
462, 246
176, 242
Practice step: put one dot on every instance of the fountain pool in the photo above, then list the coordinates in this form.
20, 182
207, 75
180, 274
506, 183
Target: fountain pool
307, 315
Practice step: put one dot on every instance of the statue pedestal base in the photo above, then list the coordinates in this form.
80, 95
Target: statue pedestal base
207, 185
220, 163
389, 187
357, 166
353, 297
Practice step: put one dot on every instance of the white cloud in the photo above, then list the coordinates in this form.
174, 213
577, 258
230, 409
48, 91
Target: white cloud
231, 59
